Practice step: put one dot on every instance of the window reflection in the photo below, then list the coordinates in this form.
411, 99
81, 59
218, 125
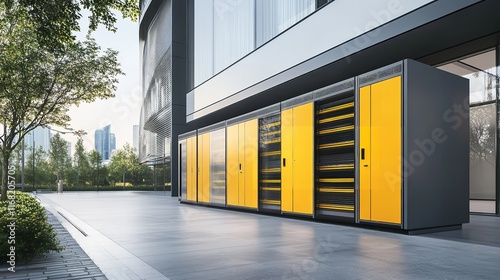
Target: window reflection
227, 30
482, 152
480, 69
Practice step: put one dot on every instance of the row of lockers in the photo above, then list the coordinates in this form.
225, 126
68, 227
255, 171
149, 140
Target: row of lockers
340, 153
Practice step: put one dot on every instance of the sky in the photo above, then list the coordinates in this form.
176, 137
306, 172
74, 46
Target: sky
122, 111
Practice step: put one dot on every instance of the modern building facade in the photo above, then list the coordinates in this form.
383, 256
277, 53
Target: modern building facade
162, 39
105, 142
244, 55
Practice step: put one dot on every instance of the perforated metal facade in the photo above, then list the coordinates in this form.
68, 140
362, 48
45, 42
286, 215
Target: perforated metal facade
163, 51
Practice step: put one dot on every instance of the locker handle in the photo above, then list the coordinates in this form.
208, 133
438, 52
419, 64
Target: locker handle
362, 153
284, 162
240, 166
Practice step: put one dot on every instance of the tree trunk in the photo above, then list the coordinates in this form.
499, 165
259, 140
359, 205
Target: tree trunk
78, 176
5, 176
124, 180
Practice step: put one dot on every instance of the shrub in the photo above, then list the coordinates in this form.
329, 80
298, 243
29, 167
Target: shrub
29, 233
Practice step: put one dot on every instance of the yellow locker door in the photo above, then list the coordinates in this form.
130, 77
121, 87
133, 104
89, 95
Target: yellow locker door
286, 160
192, 169
232, 165
364, 153
250, 163
380, 151
386, 151
303, 158
204, 167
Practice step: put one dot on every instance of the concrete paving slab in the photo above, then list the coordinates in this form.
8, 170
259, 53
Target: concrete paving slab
150, 236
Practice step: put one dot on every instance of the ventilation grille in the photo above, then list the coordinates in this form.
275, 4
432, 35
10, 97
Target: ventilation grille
255, 114
334, 129
386, 72
297, 101
335, 89
270, 163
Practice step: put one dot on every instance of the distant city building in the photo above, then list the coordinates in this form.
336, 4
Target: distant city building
39, 137
105, 142
113, 142
135, 137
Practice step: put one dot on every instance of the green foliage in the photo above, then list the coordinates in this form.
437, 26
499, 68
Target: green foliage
99, 171
81, 164
37, 84
34, 236
37, 172
144, 175
54, 21
86, 171
124, 161
58, 156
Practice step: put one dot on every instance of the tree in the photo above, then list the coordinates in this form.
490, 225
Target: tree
81, 162
37, 86
40, 175
122, 162
54, 21
125, 162
58, 156
143, 175
95, 159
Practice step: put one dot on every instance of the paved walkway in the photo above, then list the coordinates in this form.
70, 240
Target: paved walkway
142, 235
70, 264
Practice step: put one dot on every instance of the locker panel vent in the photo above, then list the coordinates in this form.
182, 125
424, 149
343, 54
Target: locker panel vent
305, 98
270, 110
334, 160
270, 163
334, 89
380, 74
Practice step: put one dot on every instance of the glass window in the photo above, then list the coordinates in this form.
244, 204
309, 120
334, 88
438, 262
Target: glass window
227, 30
234, 28
203, 40
482, 152
275, 16
480, 70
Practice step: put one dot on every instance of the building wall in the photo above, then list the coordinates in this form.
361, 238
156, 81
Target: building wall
233, 57
316, 47
163, 55
233, 73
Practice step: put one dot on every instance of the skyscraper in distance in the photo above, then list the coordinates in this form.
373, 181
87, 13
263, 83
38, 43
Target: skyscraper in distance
105, 142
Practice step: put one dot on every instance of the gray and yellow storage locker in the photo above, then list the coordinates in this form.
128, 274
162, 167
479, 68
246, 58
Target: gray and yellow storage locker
413, 147
335, 151
203, 165
389, 148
